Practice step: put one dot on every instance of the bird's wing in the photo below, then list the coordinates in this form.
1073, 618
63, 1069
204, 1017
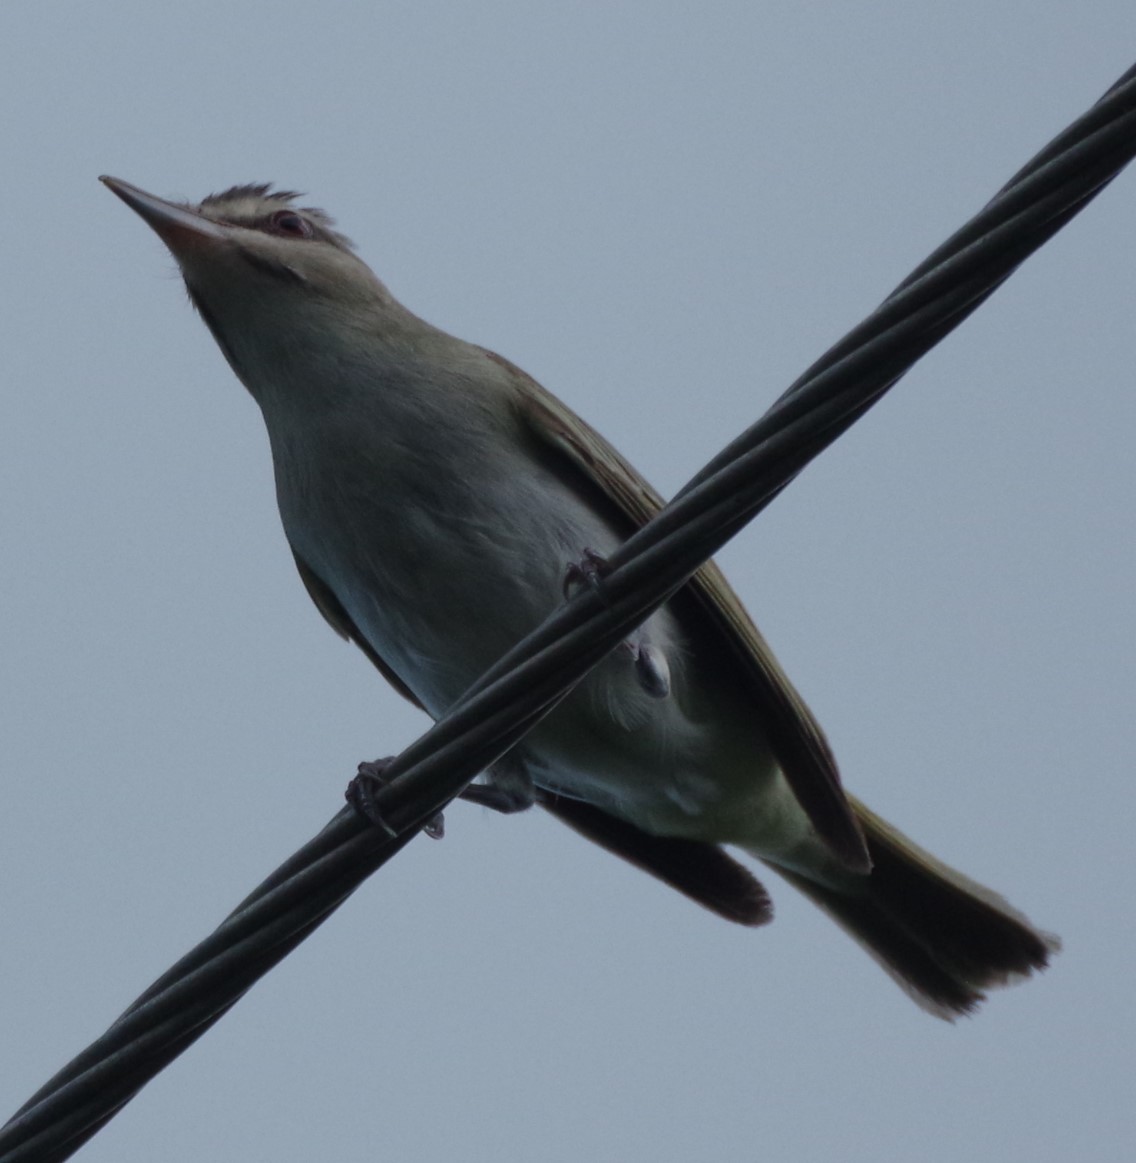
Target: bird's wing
702, 871
795, 737
340, 621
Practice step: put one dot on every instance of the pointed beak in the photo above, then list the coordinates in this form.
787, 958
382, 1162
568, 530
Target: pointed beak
181, 229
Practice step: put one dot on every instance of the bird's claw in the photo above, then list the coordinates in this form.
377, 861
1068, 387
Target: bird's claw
589, 571
362, 792
651, 669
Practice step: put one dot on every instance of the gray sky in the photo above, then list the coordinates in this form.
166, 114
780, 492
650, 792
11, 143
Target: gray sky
664, 212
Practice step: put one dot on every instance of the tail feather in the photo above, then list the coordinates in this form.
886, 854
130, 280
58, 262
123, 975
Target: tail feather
944, 938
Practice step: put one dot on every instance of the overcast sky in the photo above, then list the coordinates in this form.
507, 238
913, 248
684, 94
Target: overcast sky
664, 212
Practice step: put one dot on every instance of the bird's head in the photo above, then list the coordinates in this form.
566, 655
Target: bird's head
269, 277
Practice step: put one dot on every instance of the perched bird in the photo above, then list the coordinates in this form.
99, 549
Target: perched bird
438, 501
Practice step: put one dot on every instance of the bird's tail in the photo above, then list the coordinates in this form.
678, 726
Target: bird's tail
944, 938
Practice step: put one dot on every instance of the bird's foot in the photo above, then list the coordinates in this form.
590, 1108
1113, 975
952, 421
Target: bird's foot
361, 795
651, 668
589, 571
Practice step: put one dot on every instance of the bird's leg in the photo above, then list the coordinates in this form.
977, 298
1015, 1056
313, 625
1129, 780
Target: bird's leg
509, 789
651, 668
369, 779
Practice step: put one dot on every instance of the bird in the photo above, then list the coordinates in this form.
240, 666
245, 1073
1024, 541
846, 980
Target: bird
439, 504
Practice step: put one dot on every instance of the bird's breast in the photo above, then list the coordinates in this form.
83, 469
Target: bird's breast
444, 564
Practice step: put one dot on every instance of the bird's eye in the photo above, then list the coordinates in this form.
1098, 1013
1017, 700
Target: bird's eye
290, 224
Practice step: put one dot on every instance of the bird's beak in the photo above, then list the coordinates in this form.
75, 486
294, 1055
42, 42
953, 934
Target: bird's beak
181, 229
